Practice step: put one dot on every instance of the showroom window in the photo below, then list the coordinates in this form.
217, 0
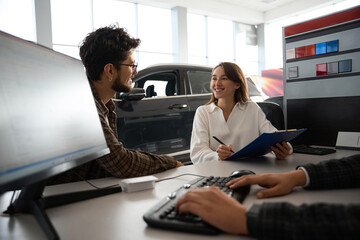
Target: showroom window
18, 21
220, 41
108, 12
197, 40
155, 34
246, 49
213, 40
71, 22
82, 16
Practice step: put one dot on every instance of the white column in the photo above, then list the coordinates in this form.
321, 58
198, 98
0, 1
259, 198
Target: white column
261, 50
43, 23
179, 25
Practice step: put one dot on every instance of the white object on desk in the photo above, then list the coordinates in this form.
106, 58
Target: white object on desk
138, 183
348, 140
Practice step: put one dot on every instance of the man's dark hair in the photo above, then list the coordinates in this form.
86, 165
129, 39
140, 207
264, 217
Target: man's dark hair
109, 44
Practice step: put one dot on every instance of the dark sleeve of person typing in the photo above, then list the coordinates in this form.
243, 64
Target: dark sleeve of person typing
313, 221
335, 173
307, 221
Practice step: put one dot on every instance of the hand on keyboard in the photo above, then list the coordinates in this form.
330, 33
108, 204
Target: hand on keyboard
216, 208
165, 214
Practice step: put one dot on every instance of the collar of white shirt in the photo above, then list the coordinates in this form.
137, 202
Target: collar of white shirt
211, 107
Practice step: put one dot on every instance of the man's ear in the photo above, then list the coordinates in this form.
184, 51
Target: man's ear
109, 70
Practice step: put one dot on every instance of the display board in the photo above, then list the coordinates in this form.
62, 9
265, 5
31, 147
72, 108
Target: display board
322, 76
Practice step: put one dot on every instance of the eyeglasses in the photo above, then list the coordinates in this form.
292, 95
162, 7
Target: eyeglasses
133, 66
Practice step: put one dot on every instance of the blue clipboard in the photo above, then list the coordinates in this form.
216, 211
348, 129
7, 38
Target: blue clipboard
261, 145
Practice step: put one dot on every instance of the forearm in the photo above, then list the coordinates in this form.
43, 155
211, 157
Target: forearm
200, 150
316, 221
202, 154
123, 163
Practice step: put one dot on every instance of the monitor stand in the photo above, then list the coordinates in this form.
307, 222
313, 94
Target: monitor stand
31, 201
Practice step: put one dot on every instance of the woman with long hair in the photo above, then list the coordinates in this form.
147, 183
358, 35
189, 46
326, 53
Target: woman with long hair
231, 117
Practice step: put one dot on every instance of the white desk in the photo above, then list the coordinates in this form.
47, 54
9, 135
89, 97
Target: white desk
119, 216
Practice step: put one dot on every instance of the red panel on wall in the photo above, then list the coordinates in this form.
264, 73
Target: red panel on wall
310, 50
300, 52
326, 21
321, 69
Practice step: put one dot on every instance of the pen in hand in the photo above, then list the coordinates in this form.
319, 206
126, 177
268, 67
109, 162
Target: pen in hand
221, 142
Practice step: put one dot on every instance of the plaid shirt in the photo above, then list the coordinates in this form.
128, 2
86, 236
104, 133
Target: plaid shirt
313, 221
120, 162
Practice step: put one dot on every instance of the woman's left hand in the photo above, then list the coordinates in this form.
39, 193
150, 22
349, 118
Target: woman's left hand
281, 150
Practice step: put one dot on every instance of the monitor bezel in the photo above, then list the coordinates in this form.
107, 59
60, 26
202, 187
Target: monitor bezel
47, 173
31, 199
43, 174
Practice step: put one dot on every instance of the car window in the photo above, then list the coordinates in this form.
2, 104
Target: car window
199, 81
159, 85
156, 86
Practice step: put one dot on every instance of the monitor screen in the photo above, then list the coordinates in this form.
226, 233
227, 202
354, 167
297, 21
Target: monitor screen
324, 118
48, 122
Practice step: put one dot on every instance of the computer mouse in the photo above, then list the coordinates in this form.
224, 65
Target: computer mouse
239, 173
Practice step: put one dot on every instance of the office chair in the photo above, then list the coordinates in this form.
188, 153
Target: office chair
273, 113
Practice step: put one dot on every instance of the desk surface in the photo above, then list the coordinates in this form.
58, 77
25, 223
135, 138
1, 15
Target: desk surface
119, 216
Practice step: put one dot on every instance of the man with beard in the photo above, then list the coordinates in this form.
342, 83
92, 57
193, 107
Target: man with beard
108, 56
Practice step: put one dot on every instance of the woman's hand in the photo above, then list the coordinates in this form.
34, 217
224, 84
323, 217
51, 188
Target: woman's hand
277, 184
224, 151
215, 208
281, 150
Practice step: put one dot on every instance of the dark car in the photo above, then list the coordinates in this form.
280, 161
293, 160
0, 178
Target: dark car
162, 121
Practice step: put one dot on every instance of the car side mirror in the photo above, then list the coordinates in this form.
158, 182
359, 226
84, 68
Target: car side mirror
135, 95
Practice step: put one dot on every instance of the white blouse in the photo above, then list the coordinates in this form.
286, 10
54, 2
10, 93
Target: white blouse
245, 123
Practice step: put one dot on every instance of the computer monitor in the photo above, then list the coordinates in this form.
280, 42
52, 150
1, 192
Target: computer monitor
48, 124
323, 118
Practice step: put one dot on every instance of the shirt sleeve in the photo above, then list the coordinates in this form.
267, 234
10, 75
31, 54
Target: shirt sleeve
200, 150
307, 221
335, 173
312, 221
306, 175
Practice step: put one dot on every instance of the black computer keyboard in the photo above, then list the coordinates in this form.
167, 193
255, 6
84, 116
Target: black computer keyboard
312, 150
163, 214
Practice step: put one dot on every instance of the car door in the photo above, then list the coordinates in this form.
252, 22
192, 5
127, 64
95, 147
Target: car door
158, 122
